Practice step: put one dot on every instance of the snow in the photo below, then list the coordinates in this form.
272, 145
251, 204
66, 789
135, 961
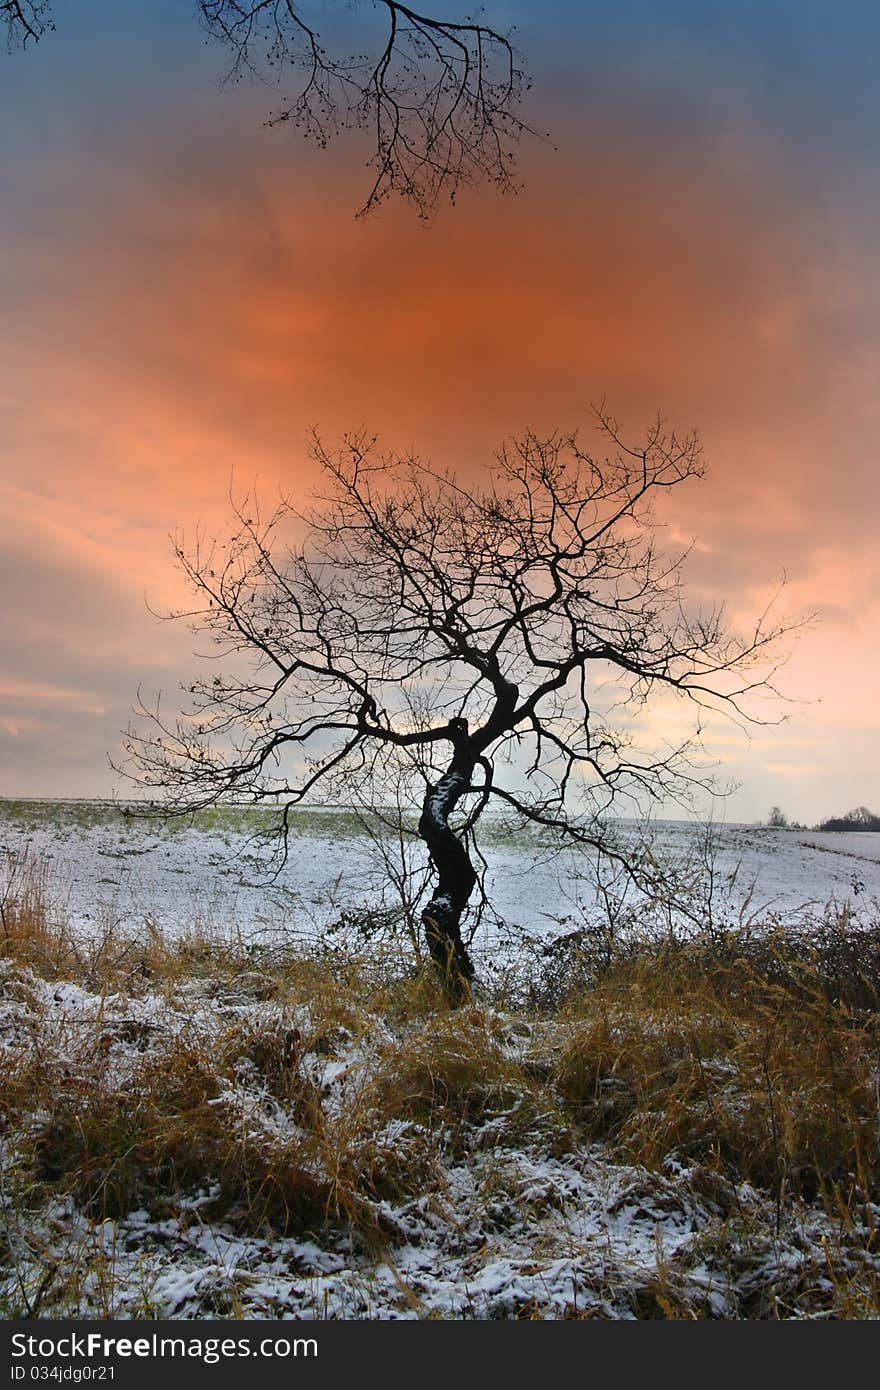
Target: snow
499, 1232
506, 1230
502, 1233
108, 870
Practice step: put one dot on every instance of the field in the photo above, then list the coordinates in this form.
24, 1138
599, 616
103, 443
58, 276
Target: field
222, 1098
211, 873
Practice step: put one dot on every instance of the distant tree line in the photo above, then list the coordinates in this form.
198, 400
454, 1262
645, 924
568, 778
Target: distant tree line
860, 818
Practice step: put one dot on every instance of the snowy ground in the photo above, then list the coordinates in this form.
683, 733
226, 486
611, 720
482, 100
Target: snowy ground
503, 1224
104, 868
507, 1222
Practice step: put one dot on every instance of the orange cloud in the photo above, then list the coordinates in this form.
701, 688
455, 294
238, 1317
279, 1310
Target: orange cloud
185, 334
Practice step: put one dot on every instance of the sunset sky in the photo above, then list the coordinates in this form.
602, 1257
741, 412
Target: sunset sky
184, 293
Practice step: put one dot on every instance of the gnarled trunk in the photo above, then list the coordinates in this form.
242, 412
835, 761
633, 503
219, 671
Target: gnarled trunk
455, 873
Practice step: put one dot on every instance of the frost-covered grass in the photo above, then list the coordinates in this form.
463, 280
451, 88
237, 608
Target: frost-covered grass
197, 1126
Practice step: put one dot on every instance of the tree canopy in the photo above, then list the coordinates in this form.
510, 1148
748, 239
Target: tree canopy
439, 97
491, 643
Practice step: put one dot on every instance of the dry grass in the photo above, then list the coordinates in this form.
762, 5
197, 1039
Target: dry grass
171, 1131
745, 1061
757, 1074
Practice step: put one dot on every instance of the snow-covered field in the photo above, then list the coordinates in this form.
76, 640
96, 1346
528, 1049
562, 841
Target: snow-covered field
105, 868
504, 1208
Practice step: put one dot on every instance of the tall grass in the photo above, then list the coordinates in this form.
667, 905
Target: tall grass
192, 1076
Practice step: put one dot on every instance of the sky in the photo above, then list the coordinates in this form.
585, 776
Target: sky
186, 293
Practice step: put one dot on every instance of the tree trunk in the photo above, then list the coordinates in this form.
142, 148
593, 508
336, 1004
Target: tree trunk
455, 873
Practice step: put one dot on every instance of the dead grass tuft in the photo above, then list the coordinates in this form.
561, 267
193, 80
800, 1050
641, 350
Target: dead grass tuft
179, 1127
764, 1078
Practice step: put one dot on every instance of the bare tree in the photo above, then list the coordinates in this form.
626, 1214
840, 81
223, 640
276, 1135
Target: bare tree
488, 643
439, 97
26, 21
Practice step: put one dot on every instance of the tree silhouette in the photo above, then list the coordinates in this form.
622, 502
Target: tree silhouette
26, 21
439, 97
859, 818
479, 644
